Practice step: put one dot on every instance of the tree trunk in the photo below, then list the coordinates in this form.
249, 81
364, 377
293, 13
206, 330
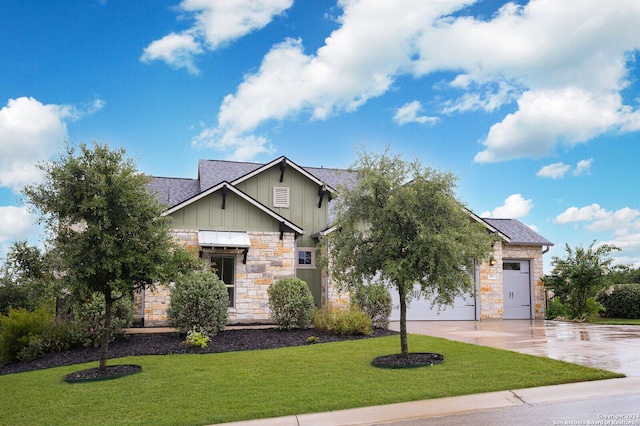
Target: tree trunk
106, 330
404, 346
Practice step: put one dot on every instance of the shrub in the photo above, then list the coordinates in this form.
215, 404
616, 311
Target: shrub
375, 300
88, 319
199, 299
291, 303
349, 321
196, 338
19, 329
621, 301
556, 309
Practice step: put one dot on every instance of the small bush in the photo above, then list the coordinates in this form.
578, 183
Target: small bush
621, 301
199, 300
342, 321
556, 309
88, 319
375, 300
291, 303
197, 338
312, 340
19, 329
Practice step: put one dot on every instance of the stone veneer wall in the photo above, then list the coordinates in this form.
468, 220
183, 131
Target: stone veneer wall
491, 281
268, 260
490, 286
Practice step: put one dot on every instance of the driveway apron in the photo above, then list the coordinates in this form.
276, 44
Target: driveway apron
609, 347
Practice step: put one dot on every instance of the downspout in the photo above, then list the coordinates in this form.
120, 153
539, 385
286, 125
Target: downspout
545, 251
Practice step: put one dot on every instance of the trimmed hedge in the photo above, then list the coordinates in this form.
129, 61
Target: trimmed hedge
375, 300
351, 321
199, 300
291, 303
88, 319
620, 301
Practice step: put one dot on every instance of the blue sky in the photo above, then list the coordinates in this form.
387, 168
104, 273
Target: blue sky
534, 105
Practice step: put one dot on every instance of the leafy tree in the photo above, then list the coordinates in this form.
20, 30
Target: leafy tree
577, 277
623, 274
401, 224
26, 280
105, 227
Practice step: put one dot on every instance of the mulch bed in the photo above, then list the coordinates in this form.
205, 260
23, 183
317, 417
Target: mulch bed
171, 343
413, 359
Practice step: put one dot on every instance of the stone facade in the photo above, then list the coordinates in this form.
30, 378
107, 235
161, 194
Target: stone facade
268, 260
490, 286
491, 281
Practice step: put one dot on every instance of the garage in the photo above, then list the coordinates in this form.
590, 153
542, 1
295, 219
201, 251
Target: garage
421, 309
517, 289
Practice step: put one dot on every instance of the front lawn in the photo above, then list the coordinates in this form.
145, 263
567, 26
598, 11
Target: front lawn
614, 321
216, 388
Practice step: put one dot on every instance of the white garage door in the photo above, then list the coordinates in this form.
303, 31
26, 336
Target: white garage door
421, 309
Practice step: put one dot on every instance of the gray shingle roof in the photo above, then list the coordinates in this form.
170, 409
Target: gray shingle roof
518, 232
173, 191
333, 177
212, 172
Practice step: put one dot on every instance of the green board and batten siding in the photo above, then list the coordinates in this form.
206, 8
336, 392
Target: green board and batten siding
240, 215
303, 199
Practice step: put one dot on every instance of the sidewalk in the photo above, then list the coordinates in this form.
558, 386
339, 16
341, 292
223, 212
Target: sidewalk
456, 405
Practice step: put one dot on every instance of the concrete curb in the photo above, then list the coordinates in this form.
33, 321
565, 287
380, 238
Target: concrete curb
455, 405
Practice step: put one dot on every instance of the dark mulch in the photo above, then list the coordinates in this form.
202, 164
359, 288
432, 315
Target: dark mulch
171, 343
111, 372
415, 359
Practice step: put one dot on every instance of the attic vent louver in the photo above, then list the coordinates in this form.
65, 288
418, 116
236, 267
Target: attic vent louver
281, 197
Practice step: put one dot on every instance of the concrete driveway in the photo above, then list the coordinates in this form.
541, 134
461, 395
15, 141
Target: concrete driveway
610, 347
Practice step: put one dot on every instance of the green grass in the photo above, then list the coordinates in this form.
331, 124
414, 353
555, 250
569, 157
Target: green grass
614, 321
215, 388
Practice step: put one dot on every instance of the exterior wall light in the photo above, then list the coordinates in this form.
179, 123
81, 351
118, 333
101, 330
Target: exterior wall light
492, 261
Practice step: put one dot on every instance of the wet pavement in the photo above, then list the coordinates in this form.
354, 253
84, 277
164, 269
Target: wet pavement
610, 347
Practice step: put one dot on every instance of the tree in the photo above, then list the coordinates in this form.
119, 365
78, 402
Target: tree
26, 278
401, 224
105, 227
577, 277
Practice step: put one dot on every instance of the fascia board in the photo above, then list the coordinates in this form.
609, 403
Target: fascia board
289, 163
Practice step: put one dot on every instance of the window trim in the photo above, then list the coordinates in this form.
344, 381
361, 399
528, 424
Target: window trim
311, 265
232, 286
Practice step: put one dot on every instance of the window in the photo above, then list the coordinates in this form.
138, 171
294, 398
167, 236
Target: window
224, 267
511, 266
281, 196
306, 258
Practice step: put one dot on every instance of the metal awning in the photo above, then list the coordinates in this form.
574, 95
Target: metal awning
225, 239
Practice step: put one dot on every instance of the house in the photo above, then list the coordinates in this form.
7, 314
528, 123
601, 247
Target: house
256, 223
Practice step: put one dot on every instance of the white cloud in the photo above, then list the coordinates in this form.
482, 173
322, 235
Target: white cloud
177, 50
560, 169
583, 167
623, 226
548, 118
29, 132
554, 171
566, 84
15, 222
514, 206
216, 22
410, 113
587, 213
